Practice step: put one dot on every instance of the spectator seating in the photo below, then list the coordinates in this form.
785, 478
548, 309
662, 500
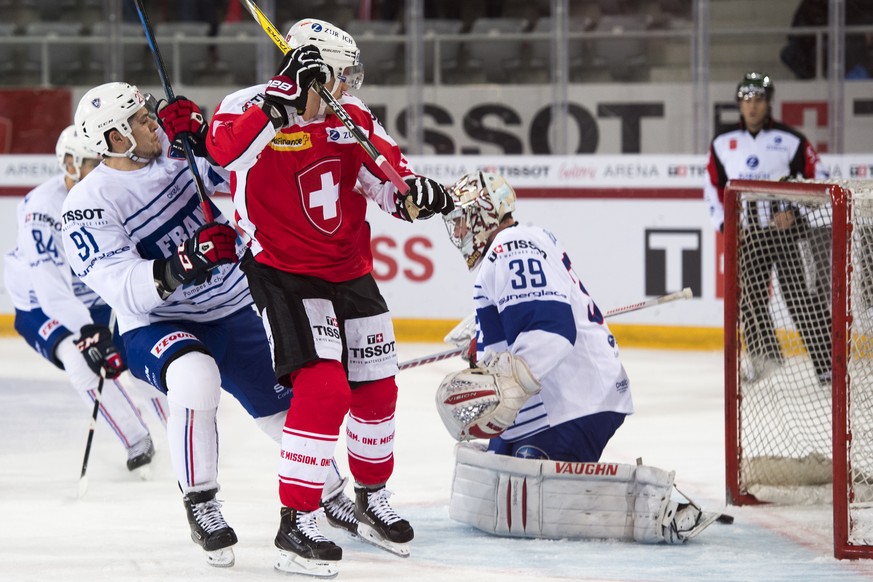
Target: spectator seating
492, 60
137, 62
64, 59
183, 51
449, 50
241, 57
380, 56
624, 57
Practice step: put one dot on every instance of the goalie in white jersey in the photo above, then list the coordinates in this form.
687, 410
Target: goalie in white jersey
550, 390
55, 311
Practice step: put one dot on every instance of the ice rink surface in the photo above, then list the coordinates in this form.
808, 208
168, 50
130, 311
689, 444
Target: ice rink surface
129, 529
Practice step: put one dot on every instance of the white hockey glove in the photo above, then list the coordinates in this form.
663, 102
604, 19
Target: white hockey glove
483, 402
462, 333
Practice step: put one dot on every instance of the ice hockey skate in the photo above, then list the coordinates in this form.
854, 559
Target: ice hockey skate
302, 547
139, 458
687, 522
340, 511
208, 528
379, 524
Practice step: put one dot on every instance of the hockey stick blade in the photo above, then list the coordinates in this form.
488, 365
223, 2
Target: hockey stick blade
684, 294
339, 111
725, 518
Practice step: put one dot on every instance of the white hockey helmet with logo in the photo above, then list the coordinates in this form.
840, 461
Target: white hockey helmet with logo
337, 47
482, 200
71, 144
106, 107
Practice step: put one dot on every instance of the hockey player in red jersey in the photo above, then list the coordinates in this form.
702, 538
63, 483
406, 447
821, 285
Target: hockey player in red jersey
300, 184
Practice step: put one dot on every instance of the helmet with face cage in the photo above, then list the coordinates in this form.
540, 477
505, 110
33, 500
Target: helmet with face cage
482, 200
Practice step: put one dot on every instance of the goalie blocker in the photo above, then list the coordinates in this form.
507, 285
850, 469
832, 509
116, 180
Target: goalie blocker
528, 498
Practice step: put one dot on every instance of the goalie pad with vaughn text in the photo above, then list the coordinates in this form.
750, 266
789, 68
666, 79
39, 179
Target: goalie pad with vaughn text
531, 498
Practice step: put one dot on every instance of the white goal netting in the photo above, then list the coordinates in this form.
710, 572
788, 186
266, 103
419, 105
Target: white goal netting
791, 282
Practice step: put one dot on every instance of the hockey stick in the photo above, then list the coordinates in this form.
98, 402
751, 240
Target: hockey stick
684, 294
338, 110
83, 477
168, 90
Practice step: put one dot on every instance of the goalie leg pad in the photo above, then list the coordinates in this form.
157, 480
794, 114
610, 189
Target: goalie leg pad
516, 497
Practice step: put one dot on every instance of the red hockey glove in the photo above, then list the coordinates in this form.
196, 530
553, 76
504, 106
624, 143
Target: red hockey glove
182, 119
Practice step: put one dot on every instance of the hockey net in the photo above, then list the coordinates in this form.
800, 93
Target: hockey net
798, 358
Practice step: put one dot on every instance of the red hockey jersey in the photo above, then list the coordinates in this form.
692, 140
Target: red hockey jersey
301, 193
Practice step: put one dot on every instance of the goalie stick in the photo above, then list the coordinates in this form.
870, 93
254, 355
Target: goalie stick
168, 90
338, 110
684, 294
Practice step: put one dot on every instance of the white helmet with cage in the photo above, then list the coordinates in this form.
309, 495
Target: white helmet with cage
71, 144
106, 107
482, 200
337, 47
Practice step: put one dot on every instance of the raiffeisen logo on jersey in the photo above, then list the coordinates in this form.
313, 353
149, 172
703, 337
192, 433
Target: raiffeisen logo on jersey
291, 142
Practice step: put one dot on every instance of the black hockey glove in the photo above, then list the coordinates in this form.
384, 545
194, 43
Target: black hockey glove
290, 85
212, 245
182, 119
427, 195
95, 343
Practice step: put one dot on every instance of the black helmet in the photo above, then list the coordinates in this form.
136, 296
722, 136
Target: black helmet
755, 84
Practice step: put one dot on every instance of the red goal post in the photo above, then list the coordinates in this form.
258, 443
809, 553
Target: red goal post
799, 350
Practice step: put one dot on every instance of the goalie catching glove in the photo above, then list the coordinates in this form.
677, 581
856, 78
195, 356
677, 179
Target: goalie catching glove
429, 196
212, 245
289, 87
182, 119
483, 402
95, 344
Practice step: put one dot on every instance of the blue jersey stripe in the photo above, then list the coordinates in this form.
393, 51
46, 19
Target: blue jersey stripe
490, 324
158, 197
550, 316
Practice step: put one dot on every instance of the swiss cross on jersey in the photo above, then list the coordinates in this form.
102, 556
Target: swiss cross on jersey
319, 188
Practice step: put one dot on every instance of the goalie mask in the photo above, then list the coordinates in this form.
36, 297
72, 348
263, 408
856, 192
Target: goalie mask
71, 144
337, 47
109, 106
481, 200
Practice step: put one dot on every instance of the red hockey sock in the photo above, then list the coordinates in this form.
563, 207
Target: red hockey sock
321, 400
370, 431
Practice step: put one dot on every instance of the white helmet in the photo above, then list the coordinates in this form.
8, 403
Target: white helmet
109, 106
71, 144
337, 47
481, 200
